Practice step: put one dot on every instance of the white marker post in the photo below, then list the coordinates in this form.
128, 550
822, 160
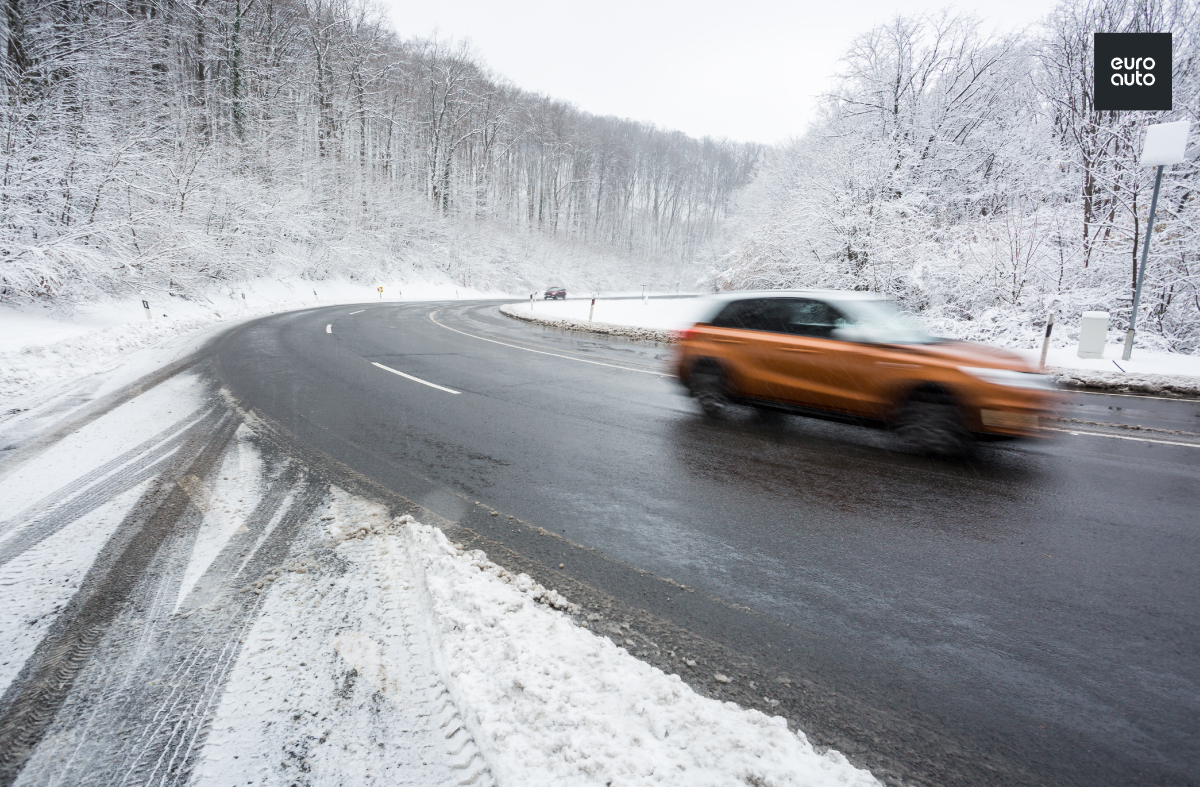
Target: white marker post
1046, 341
531, 301
146, 306
1165, 144
592, 310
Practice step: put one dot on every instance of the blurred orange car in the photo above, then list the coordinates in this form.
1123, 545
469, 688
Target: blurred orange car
857, 356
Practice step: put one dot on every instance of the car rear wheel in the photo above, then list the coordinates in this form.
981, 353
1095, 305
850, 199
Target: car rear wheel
709, 388
930, 423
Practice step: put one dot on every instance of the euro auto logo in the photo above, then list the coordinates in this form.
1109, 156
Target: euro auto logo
1132, 71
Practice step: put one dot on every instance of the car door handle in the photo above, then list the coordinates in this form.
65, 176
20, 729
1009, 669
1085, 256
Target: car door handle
798, 350
728, 341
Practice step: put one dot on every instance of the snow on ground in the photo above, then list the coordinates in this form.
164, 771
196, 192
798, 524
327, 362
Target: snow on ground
105, 445
674, 314
358, 676
668, 314
1142, 361
37, 584
551, 703
228, 506
58, 509
336, 682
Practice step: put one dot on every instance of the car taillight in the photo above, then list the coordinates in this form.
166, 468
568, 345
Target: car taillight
687, 334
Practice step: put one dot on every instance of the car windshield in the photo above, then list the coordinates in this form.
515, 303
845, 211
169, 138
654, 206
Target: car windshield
882, 322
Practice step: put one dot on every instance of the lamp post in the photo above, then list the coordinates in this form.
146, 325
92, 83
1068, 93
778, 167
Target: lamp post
1165, 145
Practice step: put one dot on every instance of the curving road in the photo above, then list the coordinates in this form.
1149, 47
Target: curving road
1026, 618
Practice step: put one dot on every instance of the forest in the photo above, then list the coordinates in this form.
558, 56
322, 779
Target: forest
968, 174
177, 145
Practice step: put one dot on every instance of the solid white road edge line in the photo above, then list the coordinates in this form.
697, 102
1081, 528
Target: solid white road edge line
360, 311
329, 328
415, 379
1131, 396
1121, 437
543, 352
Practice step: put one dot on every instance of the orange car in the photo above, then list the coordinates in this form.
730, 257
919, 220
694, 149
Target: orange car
856, 356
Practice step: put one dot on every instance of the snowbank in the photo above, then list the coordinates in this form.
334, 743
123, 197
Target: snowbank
444, 641
550, 703
663, 314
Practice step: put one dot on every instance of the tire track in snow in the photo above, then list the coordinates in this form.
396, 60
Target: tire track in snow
33, 699
86, 494
28, 447
401, 590
139, 711
122, 690
354, 696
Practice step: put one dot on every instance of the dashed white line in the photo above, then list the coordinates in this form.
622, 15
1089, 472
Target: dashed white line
1121, 437
416, 379
329, 328
543, 352
360, 311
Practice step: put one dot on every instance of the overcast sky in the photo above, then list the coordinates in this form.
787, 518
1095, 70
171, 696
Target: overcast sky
744, 69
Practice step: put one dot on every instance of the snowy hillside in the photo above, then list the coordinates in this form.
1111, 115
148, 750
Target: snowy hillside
965, 173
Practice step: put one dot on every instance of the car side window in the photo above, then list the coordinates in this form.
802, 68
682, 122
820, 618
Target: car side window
797, 316
753, 314
814, 318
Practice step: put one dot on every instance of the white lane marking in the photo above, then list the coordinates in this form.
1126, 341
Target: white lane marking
415, 379
329, 328
1121, 437
360, 311
1131, 396
543, 352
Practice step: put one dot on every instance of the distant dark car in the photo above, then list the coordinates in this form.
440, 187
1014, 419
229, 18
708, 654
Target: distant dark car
555, 292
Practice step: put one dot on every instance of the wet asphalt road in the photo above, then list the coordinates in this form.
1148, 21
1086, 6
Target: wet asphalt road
1028, 617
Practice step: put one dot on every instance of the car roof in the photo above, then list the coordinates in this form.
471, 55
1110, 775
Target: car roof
840, 295
719, 300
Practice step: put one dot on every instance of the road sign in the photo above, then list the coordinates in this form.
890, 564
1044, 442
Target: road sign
1164, 145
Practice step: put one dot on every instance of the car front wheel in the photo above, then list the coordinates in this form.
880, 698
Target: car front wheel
708, 386
931, 423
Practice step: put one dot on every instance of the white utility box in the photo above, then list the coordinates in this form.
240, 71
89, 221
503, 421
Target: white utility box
1093, 331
